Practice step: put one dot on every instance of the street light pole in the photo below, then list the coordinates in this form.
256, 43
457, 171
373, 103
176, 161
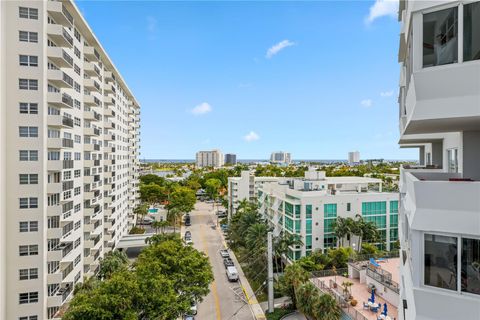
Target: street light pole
270, 273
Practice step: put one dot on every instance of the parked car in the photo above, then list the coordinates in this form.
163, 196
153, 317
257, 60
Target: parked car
221, 214
209, 201
232, 274
227, 262
193, 309
146, 221
224, 253
188, 234
187, 221
188, 318
188, 241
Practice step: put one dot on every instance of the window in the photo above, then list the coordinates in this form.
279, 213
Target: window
28, 132
77, 173
28, 155
27, 84
471, 31
52, 289
26, 36
440, 261
28, 318
28, 178
452, 158
308, 211
52, 266
349, 206
76, 191
440, 37
28, 13
470, 264
28, 274
28, 203
28, 108
330, 210
28, 297
28, 226
31, 61
28, 250
394, 206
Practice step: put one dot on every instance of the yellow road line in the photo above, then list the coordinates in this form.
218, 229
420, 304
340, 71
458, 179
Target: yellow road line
214, 286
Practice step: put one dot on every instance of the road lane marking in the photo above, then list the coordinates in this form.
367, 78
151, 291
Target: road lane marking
214, 286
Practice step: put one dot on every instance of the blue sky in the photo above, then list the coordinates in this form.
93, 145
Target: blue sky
317, 79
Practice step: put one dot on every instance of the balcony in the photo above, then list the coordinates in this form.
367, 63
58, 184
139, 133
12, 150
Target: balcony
89, 100
107, 112
92, 85
441, 202
59, 78
67, 143
54, 143
108, 137
59, 99
67, 164
89, 115
109, 75
91, 132
108, 124
54, 187
107, 100
109, 88
60, 57
91, 53
91, 69
59, 13
59, 35
434, 104
92, 241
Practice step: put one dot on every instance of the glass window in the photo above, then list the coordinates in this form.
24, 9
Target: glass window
308, 211
452, 158
440, 261
440, 37
330, 210
471, 31
470, 275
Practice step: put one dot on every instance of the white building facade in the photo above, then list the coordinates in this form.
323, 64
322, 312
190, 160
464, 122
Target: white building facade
245, 187
439, 114
307, 207
69, 158
212, 158
353, 157
280, 157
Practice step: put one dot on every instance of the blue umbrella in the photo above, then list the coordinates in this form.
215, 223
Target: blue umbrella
372, 298
385, 309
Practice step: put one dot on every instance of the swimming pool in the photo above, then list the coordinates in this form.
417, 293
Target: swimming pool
153, 210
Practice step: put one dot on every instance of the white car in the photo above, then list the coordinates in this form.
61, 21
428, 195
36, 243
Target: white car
232, 274
188, 241
224, 253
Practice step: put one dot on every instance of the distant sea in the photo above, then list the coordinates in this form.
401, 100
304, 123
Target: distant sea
247, 161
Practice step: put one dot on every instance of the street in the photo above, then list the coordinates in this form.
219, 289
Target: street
226, 300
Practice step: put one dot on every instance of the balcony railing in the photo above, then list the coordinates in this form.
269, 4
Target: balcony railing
67, 164
67, 122
67, 99
67, 143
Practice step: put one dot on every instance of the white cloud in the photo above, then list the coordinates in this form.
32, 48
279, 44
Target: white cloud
382, 8
251, 136
386, 93
367, 103
273, 50
202, 108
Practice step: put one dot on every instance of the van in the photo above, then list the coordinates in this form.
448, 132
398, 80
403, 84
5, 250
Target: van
232, 274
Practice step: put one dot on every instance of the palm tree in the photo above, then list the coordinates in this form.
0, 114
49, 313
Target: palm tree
340, 229
281, 245
173, 216
365, 231
306, 295
291, 280
160, 225
256, 235
141, 211
326, 308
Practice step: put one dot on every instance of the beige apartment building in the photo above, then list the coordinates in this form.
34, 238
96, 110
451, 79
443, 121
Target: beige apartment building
69, 137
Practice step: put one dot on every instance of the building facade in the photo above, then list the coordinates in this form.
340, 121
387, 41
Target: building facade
307, 207
212, 158
439, 114
245, 187
353, 157
280, 157
231, 159
70, 143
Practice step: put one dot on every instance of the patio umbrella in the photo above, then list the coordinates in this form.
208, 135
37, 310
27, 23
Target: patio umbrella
385, 309
372, 298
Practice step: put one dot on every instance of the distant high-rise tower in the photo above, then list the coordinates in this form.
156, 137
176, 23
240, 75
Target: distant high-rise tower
231, 159
353, 157
280, 157
212, 158
69, 158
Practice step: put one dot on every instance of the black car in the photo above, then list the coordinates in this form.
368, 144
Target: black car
187, 221
227, 262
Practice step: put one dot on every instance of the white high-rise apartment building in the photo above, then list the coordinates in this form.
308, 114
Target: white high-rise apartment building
280, 157
353, 157
212, 158
307, 207
245, 187
69, 158
439, 104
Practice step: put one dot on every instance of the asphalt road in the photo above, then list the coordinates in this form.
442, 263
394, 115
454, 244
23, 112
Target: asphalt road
226, 300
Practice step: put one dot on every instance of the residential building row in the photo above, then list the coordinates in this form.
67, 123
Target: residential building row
281, 157
69, 158
307, 207
439, 114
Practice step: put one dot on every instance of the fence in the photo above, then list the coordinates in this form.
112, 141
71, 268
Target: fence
329, 273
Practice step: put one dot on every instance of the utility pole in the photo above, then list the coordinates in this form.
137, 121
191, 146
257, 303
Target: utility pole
270, 273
